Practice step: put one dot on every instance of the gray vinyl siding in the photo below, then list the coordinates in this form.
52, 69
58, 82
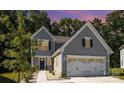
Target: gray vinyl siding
75, 48
44, 35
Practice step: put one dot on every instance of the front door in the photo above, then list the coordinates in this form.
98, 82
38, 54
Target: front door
42, 63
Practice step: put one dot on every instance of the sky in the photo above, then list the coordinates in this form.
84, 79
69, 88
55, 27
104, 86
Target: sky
85, 15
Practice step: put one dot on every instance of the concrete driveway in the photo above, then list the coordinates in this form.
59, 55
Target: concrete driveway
108, 79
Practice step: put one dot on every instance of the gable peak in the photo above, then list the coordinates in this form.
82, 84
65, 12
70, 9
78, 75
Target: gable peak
46, 30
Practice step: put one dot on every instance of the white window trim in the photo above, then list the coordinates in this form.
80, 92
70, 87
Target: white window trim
87, 38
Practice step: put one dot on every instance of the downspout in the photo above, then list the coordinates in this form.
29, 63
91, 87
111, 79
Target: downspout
52, 58
108, 63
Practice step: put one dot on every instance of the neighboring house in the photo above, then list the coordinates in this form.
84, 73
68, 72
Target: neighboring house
122, 56
84, 54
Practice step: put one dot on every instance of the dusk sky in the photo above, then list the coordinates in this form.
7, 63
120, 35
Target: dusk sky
86, 15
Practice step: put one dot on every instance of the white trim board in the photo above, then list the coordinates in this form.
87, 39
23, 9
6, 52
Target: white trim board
41, 56
95, 32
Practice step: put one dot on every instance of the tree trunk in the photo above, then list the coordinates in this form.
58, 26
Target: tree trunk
19, 76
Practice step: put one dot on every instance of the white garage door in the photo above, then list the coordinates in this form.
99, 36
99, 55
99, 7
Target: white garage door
85, 66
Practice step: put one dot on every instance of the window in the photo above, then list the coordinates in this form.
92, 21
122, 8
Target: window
99, 60
44, 45
87, 42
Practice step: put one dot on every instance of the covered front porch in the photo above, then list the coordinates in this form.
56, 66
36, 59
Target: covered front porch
42, 62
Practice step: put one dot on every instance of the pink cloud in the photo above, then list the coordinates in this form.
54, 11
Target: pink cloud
91, 18
55, 18
80, 15
73, 12
85, 17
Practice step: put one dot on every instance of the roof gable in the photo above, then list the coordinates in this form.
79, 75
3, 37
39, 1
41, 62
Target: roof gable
41, 29
95, 32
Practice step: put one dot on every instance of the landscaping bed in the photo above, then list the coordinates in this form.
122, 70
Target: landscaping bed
51, 76
117, 73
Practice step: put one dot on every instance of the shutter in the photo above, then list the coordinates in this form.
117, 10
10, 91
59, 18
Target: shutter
83, 42
49, 45
91, 43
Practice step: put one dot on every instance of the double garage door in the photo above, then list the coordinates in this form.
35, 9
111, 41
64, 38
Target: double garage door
85, 66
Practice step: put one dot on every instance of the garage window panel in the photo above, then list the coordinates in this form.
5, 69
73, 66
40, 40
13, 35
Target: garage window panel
72, 60
90, 60
99, 60
85, 59
82, 59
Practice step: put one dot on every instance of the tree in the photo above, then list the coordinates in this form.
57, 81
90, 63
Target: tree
19, 48
115, 24
39, 19
69, 26
65, 26
55, 28
6, 28
76, 25
98, 25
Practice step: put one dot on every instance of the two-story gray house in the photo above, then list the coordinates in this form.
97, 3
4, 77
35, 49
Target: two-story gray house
84, 54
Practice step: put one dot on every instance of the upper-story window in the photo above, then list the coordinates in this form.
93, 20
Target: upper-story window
44, 44
87, 42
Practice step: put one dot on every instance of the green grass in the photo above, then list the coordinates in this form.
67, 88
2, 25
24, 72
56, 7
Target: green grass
10, 77
117, 70
118, 73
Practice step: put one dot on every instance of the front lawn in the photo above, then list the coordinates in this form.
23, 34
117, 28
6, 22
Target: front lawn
9, 77
118, 73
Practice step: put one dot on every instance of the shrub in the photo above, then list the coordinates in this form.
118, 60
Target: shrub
34, 69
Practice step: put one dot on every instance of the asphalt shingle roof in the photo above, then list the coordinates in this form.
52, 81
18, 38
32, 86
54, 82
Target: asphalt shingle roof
61, 39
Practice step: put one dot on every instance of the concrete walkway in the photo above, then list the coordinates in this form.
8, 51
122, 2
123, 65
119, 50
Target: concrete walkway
41, 77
